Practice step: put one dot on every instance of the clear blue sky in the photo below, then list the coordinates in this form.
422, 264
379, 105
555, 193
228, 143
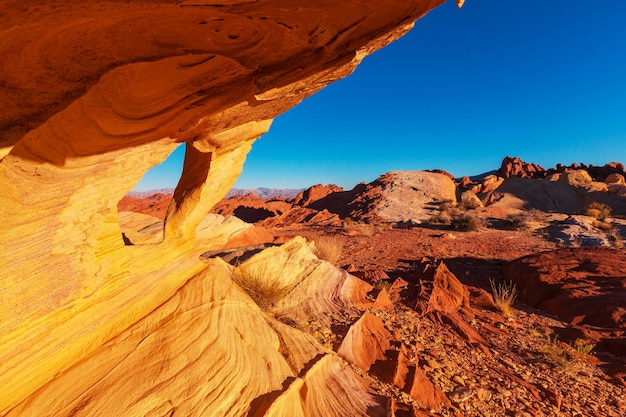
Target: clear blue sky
542, 80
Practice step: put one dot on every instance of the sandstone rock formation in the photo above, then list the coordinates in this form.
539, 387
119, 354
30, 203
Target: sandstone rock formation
515, 167
93, 95
411, 195
581, 285
585, 287
407, 197
251, 208
568, 192
394, 197
315, 193
154, 205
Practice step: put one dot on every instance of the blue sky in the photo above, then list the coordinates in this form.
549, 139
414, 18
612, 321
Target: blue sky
542, 80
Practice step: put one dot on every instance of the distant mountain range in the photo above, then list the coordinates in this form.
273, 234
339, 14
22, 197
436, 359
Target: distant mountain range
262, 192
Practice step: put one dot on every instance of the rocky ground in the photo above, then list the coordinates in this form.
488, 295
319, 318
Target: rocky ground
433, 339
527, 369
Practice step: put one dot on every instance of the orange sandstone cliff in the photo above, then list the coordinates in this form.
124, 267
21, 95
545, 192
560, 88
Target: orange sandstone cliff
95, 93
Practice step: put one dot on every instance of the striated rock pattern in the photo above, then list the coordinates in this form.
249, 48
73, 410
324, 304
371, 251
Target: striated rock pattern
94, 93
209, 350
583, 286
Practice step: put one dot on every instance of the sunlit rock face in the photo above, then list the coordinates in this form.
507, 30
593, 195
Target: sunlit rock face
93, 94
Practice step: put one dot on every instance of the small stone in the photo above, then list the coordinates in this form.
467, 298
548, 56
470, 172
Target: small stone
461, 394
459, 380
432, 364
483, 394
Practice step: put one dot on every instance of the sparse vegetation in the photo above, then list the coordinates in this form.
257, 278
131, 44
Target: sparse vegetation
259, 282
471, 204
526, 220
382, 284
616, 239
598, 211
602, 225
329, 248
504, 294
353, 228
456, 216
556, 352
564, 355
466, 223
583, 346
441, 218
448, 210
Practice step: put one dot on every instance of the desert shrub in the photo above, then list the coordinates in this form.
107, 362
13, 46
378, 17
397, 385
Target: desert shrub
441, 218
556, 353
598, 211
466, 223
258, 281
471, 203
525, 220
565, 355
329, 248
353, 228
451, 208
583, 346
504, 294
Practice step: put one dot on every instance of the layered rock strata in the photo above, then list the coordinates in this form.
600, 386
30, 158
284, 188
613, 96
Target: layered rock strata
93, 95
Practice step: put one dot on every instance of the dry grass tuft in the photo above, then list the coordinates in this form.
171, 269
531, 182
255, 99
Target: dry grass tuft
329, 248
353, 228
257, 279
556, 352
526, 220
583, 347
563, 355
466, 223
598, 211
503, 295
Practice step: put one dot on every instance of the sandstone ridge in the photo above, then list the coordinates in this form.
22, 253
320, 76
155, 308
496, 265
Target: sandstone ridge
96, 93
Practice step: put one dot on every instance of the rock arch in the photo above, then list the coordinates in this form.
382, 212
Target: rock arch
96, 93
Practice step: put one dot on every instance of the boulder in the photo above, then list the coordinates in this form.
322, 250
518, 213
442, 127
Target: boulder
470, 200
614, 178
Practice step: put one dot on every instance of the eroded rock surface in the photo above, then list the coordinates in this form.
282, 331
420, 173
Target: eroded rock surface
94, 93
583, 286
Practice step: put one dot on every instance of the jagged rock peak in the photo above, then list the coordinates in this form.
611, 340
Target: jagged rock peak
515, 167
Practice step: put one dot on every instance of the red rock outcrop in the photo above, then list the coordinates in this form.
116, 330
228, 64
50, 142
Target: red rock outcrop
156, 205
580, 285
315, 193
94, 93
366, 342
394, 197
251, 208
583, 286
515, 167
